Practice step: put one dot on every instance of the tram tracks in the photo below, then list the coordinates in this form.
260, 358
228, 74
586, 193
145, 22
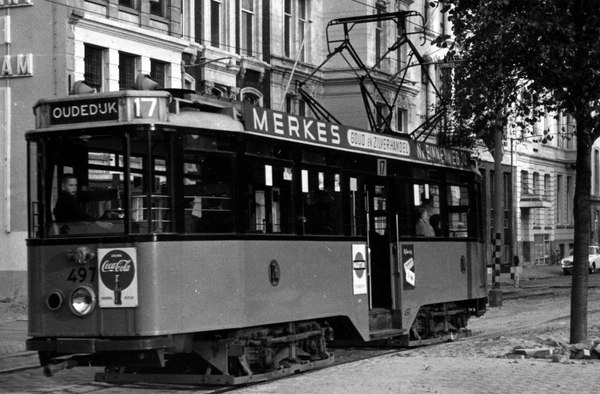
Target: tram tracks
17, 362
28, 360
513, 330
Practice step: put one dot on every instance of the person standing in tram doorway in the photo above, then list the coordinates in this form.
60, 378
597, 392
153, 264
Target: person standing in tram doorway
67, 208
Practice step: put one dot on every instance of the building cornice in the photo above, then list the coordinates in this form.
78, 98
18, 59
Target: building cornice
127, 31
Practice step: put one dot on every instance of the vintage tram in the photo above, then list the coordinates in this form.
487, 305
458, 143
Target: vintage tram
224, 243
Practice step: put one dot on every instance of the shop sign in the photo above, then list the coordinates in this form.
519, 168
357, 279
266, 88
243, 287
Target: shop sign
15, 3
20, 65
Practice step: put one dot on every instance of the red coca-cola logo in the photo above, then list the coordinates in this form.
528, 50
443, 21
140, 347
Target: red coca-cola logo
117, 264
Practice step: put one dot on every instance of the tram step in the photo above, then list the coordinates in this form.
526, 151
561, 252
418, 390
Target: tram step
380, 319
387, 333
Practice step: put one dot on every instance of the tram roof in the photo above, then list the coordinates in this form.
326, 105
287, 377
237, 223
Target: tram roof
195, 111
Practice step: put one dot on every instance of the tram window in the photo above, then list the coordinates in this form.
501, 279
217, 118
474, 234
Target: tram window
85, 175
357, 206
270, 208
314, 157
259, 149
151, 187
206, 142
207, 186
35, 208
458, 208
379, 213
269, 150
322, 202
428, 216
405, 211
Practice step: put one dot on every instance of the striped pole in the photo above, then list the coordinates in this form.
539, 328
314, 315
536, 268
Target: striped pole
497, 259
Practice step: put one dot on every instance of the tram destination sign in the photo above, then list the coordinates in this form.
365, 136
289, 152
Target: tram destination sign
93, 110
315, 132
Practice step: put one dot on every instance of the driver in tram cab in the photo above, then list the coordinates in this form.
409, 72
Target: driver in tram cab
67, 208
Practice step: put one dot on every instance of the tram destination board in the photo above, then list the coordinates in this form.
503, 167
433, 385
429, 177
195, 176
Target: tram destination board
93, 110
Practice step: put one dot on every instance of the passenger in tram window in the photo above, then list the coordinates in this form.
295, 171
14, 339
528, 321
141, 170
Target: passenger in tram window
436, 222
68, 209
423, 226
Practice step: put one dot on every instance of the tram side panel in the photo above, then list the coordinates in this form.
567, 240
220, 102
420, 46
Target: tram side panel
443, 272
234, 284
196, 286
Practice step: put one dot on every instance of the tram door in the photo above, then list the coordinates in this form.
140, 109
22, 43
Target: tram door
380, 232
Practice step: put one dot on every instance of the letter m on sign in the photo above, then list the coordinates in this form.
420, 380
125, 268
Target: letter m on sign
382, 167
25, 64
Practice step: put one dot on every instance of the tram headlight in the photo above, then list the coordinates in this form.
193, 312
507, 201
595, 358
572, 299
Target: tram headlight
81, 254
82, 300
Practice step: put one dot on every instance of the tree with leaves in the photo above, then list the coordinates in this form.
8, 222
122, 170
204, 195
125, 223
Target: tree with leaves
518, 61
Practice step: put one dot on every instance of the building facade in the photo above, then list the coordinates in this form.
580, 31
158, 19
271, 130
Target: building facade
272, 53
545, 188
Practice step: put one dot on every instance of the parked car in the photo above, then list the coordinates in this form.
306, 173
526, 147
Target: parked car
593, 261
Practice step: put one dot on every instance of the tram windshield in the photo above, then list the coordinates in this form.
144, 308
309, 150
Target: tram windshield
80, 183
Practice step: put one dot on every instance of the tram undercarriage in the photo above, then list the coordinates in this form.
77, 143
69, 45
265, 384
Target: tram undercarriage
440, 323
226, 358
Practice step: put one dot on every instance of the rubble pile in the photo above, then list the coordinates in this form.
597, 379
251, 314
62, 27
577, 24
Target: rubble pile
560, 352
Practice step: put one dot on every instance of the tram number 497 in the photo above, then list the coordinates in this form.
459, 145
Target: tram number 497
81, 274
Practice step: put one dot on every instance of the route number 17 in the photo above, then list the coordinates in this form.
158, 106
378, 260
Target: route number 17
145, 107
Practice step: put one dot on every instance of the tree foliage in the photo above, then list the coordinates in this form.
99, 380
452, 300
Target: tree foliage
523, 58
518, 61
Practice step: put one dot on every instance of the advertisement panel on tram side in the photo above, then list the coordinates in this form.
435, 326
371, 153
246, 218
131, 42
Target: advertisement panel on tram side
315, 132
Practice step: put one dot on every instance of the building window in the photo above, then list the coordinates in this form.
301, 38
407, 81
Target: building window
559, 199
127, 3
216, 23
378, 38
525, 182
596, 185
93, 66
187, 15
401, 119
569, 200
536, 183
287, 28
158, 72
302, 24
301, 107
401, 51
570, 132
547, 195
382, 117
157, 7
295, 106
127, 71
252, 96
247, 27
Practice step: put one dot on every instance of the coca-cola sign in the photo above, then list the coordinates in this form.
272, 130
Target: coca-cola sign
119, 266
118, 281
